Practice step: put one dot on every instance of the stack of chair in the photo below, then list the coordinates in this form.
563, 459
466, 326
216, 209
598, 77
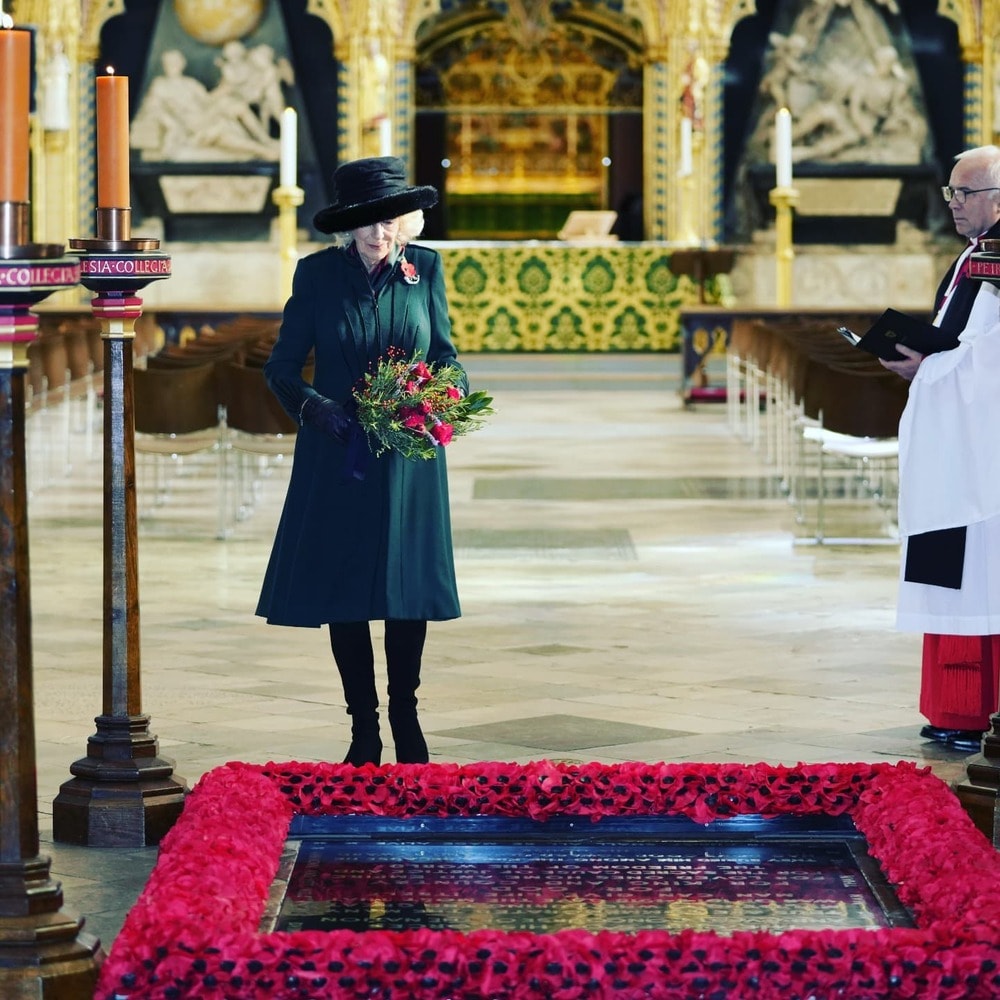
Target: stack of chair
176, 412
259, 434
222, 405
831, 417
207, 346
62, 392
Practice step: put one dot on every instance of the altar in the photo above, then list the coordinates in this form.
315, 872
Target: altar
520, 296
530, 296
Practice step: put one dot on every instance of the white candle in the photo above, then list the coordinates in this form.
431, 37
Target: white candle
783, 148
685, 164
55, 111
288, 173
385, 137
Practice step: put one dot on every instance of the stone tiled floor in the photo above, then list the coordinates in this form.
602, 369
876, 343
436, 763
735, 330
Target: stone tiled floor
630, 585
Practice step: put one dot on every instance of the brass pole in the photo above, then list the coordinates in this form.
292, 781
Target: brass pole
784, 200
288, 198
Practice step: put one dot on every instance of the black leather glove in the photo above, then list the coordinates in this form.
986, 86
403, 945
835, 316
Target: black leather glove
326, 415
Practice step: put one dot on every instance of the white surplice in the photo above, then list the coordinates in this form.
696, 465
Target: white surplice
949, 469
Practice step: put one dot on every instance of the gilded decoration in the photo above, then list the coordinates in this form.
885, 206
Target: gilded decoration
219, 22
555, 298
527, 90
529, 96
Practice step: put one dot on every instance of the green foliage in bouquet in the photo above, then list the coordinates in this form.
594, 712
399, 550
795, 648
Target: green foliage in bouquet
414, 408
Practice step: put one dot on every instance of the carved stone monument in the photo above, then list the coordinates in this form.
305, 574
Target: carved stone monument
860, 140
211, 149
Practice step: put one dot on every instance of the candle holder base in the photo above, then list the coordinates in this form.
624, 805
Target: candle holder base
141, 244
122, 794
114, 234
32, 251
107, 266
288, 195
784, 197
15, 218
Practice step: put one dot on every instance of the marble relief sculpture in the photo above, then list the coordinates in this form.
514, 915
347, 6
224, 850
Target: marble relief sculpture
841, 74
182, 120
846, 73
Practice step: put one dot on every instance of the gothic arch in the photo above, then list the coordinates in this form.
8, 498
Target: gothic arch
525, 101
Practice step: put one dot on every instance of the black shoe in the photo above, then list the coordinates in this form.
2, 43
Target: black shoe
969, 741
411, 747
365, 748
940, 735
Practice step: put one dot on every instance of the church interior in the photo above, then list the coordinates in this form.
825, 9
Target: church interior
676, 537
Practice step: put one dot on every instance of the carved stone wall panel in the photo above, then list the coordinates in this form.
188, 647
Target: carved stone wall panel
855, 279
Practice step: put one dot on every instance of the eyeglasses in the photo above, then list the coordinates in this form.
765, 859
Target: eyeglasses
960, 194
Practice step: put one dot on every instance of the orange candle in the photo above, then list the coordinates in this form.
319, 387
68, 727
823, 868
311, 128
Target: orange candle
15, 76
112, 141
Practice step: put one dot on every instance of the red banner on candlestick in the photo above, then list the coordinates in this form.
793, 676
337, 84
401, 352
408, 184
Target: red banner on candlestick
112, 142
15, 77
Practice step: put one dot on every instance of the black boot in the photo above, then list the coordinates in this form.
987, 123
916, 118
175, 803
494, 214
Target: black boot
404, 645
352, 650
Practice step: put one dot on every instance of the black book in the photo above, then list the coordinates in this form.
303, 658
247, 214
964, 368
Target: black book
894, 327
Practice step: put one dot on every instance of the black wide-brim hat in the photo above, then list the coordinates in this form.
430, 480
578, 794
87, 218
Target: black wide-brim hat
371, 190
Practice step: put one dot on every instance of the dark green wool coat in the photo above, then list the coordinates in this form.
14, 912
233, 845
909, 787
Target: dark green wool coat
349, 549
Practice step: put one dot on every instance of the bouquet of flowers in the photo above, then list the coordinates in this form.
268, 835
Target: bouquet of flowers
414, 408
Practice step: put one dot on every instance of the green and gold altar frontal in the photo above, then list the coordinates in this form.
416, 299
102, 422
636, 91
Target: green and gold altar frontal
529, 296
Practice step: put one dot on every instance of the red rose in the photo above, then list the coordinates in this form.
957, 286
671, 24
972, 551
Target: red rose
442, 433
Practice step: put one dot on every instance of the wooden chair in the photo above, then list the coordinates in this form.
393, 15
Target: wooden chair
194, 353
854, 405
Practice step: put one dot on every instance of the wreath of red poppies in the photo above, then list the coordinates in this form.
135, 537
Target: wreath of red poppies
193, 933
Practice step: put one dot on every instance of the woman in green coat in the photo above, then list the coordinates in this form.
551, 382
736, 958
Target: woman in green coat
363, 538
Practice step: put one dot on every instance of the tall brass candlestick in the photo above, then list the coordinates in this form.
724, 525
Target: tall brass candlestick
688, 234
784, 200
288, 198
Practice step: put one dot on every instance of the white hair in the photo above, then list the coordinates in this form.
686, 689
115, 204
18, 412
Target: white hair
987, 157
411, 226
